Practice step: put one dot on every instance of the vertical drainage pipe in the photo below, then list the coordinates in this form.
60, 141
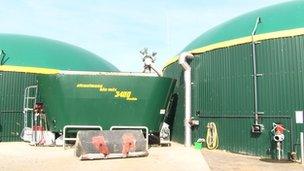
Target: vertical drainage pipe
187, 79
255, 75
302, 148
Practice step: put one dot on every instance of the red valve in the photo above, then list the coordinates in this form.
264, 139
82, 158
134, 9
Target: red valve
279, 129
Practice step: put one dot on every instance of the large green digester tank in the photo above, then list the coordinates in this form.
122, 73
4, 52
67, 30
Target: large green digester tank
269, 41
105, 99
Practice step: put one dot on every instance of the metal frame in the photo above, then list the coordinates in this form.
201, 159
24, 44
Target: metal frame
76, 127
134, 127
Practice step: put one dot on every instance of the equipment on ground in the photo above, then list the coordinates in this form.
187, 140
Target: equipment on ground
38, 133
164, 134
278, 137
95, 144
212, 140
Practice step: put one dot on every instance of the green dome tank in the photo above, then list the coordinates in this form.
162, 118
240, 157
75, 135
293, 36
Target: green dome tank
241, 80
31, 51
281, 20
274, 18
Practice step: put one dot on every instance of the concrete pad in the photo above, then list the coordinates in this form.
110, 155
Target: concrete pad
21, 156
225, 161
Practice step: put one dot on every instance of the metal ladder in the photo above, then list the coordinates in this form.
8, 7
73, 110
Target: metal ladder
29, 100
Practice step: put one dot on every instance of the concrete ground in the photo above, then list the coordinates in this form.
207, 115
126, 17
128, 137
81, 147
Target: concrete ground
219, 160
21, 156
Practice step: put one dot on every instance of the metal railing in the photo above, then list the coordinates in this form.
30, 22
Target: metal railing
64, 138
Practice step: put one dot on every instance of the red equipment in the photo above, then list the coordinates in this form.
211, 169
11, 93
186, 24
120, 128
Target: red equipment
279, 129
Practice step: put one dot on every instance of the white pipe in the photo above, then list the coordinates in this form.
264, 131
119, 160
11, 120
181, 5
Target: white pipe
255, 75
302, 150
187, 79
279, 151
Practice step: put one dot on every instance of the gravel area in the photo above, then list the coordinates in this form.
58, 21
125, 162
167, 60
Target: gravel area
21, 156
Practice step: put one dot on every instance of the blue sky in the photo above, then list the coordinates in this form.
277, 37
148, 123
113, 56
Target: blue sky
118, 30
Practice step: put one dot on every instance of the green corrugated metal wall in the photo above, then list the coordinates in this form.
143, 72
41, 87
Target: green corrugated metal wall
12, 87
223, 93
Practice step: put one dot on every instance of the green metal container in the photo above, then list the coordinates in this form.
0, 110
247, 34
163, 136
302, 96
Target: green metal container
222, 77
107, 99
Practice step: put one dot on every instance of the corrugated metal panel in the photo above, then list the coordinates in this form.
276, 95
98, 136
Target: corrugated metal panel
12, 87
281, 61
10, 126
281, 87
223, 81
223, 93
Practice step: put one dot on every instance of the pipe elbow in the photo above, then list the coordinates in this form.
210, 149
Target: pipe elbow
182, 60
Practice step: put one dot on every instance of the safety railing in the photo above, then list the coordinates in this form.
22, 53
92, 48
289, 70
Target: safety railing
64, 138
